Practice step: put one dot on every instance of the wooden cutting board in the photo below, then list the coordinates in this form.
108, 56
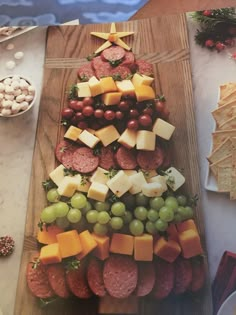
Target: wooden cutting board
164, 42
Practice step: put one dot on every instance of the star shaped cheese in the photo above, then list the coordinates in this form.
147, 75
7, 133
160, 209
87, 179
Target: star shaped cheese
112, 37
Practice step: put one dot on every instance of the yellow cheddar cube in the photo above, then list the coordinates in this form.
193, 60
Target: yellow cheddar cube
88, 138
103, 244
50, 254
99, 176
122, 244
108, 84
95, 86
107, 135
144, 93
83, 183
126, 87
146, 140
163, 129
111, 98
67, 186
88, 244
72, 133
141, 79
119, 184
98, 191
69, 243
190, 243
83, 89
57, 175
168, 250
143, 247
128, 138
137, 180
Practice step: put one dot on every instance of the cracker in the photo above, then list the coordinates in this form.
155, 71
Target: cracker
229, 124
218, 137
227, 94
224, 162
226, 88
224, 178
224, 112
221, 151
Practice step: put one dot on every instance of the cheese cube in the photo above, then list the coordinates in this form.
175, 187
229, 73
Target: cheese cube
122, 244
158, 179
137, 181
50, 254
88, 138
126, 87
111, 98
83, 89
153, 189
149, 174
174, 178
57, 175
146, 140
168, 250
130, 172
119, 184
163, 129
108, 84
92, 131
95, 86
107, 135
69, 243
99, 176
141, 79
67, 186
144, 93
128, 138
72, 133
83, 183
103, 244
143, 247
98, 191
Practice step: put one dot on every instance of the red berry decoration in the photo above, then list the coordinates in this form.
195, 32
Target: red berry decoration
145, 120
133, 113
207, 13
7, 245
76, 105
209, 43
133, 124
220, 46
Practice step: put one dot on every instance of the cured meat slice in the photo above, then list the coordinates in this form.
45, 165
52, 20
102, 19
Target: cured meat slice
85, 72
84, 161
57, 280
164, 279
129, 60
107, 158
37, 281
144, 67
150, 160
183, 275
198, 276
63, 148
120, 72
113, 53
126, 159
102, 68
95, 277
146, 278
120, 276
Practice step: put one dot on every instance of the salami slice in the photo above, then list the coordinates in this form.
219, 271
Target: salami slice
101, 68
144, 67
107, 158
183, 275
129, 60
95, 277
164, 279
126, 159
37, 281
85, 72
113, 53
198, 276
120, 72
84, 161
120, 275
57, 280
63, 148
150, 160
146, 278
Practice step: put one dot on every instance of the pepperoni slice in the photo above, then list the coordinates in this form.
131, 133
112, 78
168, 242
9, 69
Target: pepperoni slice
146, 278
120, 72
164, 279
63, 148
129, 60
144, 67
85, 72
113, 53
95, 277
57, 280
150, 160
84, 161
102, 68
107, 158
126, 159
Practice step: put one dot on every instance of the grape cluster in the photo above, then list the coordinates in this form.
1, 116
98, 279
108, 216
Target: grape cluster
133, 214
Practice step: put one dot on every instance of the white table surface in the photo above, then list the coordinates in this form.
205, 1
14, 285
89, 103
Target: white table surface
17, 136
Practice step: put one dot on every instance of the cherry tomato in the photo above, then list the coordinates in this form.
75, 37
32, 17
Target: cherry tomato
88, 111
98, 113
133, 124
133, 113
67, 113
119, 115
145, 120
109, 115
82, 125
88, 101
148, 111
79, 116
124, 106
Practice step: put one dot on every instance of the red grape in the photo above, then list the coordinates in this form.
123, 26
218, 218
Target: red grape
165, 113
159, 105
82, 125
119, 115
148, 110
109, 115
98, 113
72, 103
133, 113
145, 120
76, 105
124, 106
133, 124
79, 116
88, 111
88, 101
67, 113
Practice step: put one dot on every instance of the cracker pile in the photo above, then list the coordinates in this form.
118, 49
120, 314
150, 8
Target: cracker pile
223, 156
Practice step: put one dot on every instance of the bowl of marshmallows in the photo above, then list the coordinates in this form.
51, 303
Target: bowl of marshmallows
17, 95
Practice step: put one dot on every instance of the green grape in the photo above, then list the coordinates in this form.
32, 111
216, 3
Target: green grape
172, 203
52, 195
116, 223
140, 213
81, 225
48, 215
103, 217
86, 208
156, 203
102, 206
166, 214
92, 216
127, 217
100, 229
136, 227
177, 218
118, 209
161, 225
152, 215
74, 215
141, 199
182, 200
78, 201
150, 227
185, 212
62, 223
128, 200
61, 209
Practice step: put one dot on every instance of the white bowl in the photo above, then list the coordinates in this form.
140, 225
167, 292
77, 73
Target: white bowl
31, 103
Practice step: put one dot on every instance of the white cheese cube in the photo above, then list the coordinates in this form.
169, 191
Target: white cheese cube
153, 189
83, 183
99, 176
67, 186
98, 191
57, 175
88, 138
130, 172
72, 133
119, 184
126, 87
149, 174
83, 89
159, 179
107, 135
140, 79
128, 138
146, 140
163, 129
95, 86
174, 178
137, 180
